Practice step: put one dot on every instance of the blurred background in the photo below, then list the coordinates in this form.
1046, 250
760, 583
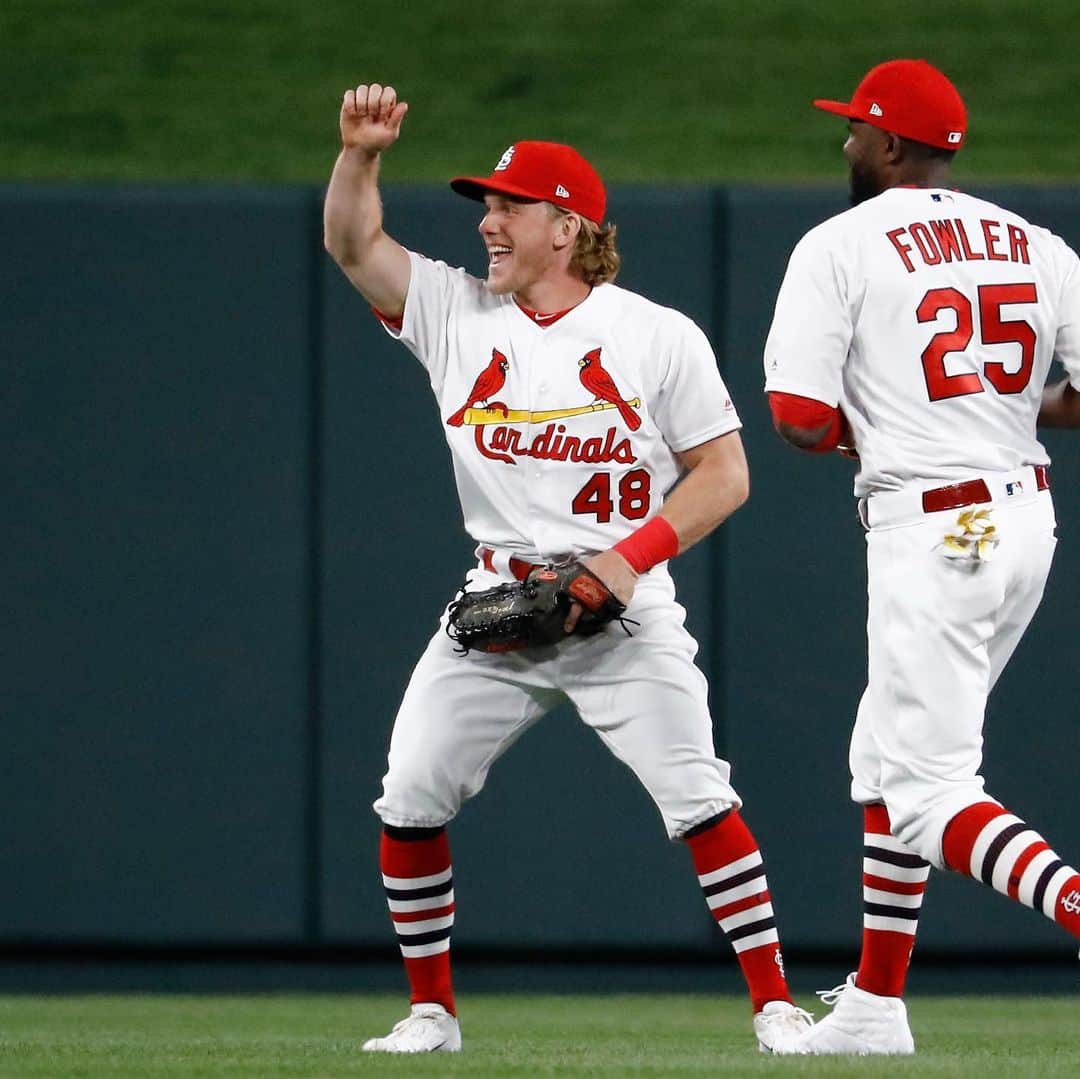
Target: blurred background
229, 519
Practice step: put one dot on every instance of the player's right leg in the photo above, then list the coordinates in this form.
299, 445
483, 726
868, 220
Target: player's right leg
869, 1016
458, 715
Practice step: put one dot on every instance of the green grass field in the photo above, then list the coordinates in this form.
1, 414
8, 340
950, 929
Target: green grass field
696, 90
517, 1035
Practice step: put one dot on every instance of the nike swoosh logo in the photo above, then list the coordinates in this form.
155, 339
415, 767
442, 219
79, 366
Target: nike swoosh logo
543, 318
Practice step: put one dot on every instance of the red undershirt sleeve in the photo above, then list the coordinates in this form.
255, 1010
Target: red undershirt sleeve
809, 415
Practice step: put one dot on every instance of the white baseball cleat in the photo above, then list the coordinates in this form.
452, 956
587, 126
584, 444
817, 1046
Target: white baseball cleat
779, 1025
860, 1024
429, 1028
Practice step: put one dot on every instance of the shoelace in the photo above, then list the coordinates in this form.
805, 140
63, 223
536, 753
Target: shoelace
831, 996
798, 1013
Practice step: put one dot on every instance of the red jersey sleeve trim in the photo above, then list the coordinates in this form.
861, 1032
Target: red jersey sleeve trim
395, 324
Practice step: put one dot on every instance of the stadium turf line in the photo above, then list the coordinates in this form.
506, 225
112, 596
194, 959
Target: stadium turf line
505, 1036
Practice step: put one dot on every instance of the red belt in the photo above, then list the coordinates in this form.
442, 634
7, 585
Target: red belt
518, 566
972, 492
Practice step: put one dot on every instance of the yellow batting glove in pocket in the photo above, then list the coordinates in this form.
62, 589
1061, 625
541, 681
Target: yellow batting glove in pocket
974, 536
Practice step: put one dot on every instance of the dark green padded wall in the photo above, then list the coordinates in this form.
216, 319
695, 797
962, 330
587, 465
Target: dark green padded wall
230, 526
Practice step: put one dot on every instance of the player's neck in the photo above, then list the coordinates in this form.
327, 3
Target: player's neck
546, 296
923, 175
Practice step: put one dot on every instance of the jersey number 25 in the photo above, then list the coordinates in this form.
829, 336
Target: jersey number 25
994, 331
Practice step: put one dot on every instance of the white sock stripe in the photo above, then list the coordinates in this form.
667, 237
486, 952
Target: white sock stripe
892, 899
899, 874
407, 906
1026, 891
408, 883
420, 951
886, 842
751, 914
890, 925
1007, 859
1053, 889
730, 870
766, 936
427, 926
895, 872
741, 891
991, 830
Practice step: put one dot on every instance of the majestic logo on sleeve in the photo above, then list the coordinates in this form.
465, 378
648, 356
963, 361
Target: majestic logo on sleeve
507, 440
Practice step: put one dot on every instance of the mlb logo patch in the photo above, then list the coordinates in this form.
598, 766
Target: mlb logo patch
954, 137
1015, 488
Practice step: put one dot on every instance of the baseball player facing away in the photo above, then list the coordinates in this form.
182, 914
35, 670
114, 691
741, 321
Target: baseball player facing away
917, 329
570, 406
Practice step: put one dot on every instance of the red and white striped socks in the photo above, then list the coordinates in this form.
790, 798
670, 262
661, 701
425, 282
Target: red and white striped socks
894, 880
731, 873
419, 887
987, 842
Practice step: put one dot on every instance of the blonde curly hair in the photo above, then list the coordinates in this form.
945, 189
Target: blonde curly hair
594, 256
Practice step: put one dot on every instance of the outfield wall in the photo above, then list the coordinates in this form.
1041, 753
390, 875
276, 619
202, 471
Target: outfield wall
230, 526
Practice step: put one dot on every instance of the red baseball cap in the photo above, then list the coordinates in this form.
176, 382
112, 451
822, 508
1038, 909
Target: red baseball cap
912, 99
545, 171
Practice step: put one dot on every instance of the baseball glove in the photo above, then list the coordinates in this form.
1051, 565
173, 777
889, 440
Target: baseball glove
532, 612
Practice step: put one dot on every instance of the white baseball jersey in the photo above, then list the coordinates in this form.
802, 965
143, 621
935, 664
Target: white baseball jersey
564, 440
563, 437
931, 317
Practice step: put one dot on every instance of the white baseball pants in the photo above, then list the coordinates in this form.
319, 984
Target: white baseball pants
643, 695
940, 632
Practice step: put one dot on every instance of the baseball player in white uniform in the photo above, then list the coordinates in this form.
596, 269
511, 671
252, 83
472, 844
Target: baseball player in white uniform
570, 407
916, 330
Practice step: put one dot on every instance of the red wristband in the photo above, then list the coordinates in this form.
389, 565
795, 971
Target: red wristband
654, 542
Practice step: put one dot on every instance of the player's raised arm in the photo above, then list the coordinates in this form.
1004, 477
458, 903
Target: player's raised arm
377, 265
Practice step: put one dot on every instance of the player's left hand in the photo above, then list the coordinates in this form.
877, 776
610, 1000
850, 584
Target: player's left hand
615, 572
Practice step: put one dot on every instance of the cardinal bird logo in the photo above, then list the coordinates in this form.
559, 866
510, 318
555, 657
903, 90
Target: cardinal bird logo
602, 386
487, 384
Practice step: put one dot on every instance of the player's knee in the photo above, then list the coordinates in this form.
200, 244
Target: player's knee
415, 796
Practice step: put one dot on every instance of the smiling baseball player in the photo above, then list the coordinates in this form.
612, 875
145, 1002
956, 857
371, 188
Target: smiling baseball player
919, 327
571, 407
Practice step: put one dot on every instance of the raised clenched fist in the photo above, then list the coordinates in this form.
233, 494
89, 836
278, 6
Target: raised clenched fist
371, 118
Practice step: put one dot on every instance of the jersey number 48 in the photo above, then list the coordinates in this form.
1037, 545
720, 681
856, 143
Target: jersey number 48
994, 331
594, 499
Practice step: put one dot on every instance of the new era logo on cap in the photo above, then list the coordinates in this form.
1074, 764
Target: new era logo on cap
561, 191
910, 98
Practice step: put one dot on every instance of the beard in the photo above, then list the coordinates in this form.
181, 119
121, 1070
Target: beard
862, 186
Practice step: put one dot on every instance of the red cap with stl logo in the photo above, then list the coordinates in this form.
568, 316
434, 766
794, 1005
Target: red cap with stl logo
912, 99
545, 171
